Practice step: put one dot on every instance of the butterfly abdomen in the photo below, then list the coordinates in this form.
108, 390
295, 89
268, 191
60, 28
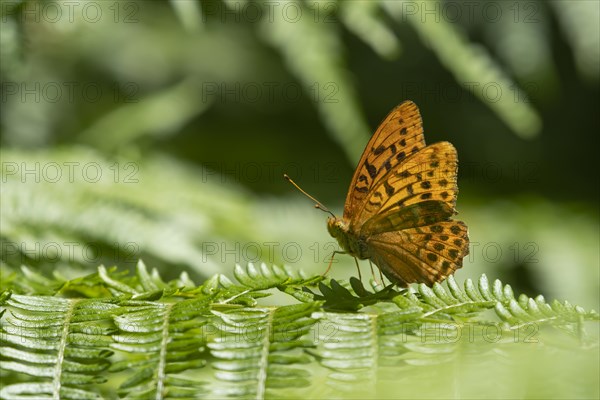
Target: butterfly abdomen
355, 246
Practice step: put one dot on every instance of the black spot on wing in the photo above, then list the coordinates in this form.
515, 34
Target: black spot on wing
387, 165
380, 149
404, 174
389, 190
371, 169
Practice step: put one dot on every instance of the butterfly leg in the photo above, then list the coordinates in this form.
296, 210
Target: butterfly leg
331, 261
358, 269
373, 272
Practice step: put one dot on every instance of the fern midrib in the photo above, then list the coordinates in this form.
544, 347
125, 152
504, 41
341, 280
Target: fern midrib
236, 296
457, 305
162, 358
264, 357
537, 321
56, 384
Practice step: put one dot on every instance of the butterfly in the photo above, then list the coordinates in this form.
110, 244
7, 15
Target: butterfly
400, 202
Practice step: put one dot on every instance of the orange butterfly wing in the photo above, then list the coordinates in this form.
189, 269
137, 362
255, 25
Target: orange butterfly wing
419, 191
409, 233
400, 201
399, 135
424, 254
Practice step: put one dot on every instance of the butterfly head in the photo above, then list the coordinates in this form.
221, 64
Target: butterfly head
340, 230
337, 227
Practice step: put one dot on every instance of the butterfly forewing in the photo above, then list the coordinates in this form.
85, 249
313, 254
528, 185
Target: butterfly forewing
419, 191
399, 135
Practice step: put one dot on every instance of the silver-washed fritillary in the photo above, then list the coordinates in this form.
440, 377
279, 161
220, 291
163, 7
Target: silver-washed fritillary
399, 205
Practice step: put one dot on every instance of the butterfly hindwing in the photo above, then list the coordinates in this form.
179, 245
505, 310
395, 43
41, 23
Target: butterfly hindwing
411, 216
426, 254
419, 191
399, 135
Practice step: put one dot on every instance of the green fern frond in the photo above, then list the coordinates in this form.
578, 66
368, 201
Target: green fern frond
162, 344
61, 344
28, 281
348, 346
253, 281
454, 302
343, 297
265, 277
321, 73
578, 20
362, 18
82, 221
430, 327
143, 285
259, 350
152, 338
471, 63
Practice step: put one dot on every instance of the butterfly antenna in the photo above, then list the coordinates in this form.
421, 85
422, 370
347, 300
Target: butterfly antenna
318, 203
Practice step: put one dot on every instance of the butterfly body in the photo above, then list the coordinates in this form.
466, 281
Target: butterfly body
399, 206
354, 245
